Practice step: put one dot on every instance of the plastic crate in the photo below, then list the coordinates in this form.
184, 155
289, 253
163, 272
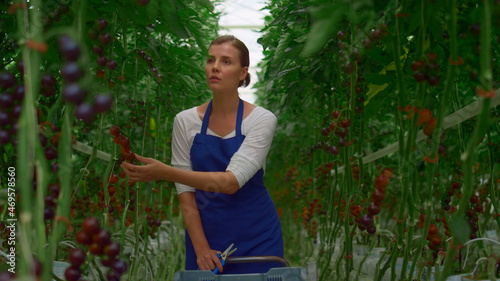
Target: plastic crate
285, 273
274, 274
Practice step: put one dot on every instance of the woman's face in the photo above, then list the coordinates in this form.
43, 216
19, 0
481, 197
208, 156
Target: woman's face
223, 68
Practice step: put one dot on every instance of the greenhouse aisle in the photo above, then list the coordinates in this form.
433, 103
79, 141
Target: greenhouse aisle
245, 19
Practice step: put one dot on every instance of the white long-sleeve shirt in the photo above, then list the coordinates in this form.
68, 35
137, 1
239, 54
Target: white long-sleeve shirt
258, 128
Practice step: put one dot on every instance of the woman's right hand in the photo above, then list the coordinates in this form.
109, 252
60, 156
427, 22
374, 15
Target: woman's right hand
153, 169
208, 260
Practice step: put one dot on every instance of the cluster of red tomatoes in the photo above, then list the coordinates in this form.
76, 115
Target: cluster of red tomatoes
476, 207
153, 217
11, 100
339, 128
314, 207
377, 198
102, 40
424, 118
366, 221
116, 195
350, 53
152, 69
426, 69
99, 244
73, 92
124, 143
433, 238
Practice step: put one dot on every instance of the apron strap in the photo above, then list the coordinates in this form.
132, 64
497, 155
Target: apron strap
206, 117
239, 118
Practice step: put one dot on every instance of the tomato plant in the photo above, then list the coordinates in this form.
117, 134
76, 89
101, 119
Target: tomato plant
74, 75
388, 131
376, 86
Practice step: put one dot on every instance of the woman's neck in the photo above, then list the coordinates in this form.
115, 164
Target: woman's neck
225, 103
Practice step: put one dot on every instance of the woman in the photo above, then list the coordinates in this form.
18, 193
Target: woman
218, 156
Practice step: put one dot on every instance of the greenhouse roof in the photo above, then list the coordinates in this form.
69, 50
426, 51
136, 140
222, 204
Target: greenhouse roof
244, 19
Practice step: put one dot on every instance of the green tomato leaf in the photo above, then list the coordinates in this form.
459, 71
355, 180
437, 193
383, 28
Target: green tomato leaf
286, 71
378, 56
378, 79
118, 48
189, 82
282, 46
193, 66
293, 50
153, 8
173, 19
327, 19
205, 3
196, 28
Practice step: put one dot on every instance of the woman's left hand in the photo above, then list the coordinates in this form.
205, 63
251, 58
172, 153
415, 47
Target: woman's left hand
152, 171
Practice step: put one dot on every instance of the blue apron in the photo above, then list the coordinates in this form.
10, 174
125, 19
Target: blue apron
248, 218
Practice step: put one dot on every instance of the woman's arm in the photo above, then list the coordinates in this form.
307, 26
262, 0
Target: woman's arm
222, 182
206, 258
244, 164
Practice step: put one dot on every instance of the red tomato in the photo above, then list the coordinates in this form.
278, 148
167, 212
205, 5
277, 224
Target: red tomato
113, 179
381, 181
378, 196
432, 229
424, 116
436, 240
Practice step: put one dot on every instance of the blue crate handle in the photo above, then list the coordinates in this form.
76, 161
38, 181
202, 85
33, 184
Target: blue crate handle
255, 259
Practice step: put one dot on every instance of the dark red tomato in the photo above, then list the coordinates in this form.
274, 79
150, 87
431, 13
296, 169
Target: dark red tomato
478, 208
83, 237
7, 80
69, 49
102, 237
378, 196
436, 240
111, 189
381, 181
367, 220
85, 112
95, 248
345, 123
114, 131
72, 273
100, 73
97, 49
102, 23
91, 225
142, 2
71, 72
77, 257
113, 179
371, 229
124, 141
474, 199
374, 209
112, 250
102, 103
432, 229
105, 38
73, 93
119, 266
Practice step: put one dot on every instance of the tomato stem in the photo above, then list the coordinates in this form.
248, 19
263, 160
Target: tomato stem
480, 128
